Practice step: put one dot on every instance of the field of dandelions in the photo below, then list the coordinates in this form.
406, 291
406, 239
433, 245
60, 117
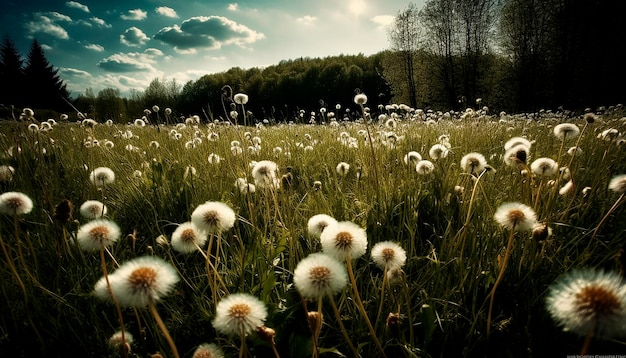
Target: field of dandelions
403, 234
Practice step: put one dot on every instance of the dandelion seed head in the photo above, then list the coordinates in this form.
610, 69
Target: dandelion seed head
102, 176
388, 255
213, 217
618, 184
97, 234
473, 163
143, 281
544, 167
187, 238
360, 99
589, 299
239, 314
424, 167
565, 131
319, 275
206, 350
15, 203
515, 216
317, 224
344, 240
241, 98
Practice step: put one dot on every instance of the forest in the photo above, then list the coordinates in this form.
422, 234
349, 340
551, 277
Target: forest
512, 55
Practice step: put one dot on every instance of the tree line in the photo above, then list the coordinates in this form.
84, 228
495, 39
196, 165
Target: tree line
511, 55
32, 83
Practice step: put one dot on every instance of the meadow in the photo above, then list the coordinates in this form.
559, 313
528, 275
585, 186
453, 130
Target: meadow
471, 285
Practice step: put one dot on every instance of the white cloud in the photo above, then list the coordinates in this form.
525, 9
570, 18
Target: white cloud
134, 37
84, 23
43, 24
77, 5
73, 72
130, 62
95, 47
209, 32
136, 14
383, 20
55, 16
233, 7
98, 21
166, 11
46, 47
306, 20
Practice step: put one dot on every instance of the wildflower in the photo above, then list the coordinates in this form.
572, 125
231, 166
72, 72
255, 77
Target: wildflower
143, 281
566, 131
388, 255
515, 216
187, 238
342, 168
244, 186
574, 151
568, 188
317, 224
319, 275
102, 176
241, 98
168, 111
609, 134
590, 117
588, 300
139, 122
137, 174
412, 157
214, 158
239, 314
108, 144
155, 108
438, 151
515, 141
115, 342
618, 184
424, 167
544, 167
360, 99
15, 203
473, 163
586, 190
190, 170
6, 173
516, 155
344, 240
93, 209
33, 127
206, 350
317, 185
97, 234
28, 113
213, 217
265, 174
541, 231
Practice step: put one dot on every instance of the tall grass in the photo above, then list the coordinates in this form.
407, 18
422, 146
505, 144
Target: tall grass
440, 296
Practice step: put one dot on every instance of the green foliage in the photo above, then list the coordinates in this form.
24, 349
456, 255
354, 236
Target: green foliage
454, 253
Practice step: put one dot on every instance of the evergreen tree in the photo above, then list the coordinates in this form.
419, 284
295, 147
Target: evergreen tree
45, 90
11, 74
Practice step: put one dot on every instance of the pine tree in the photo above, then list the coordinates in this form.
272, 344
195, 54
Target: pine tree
11, 74
45, 89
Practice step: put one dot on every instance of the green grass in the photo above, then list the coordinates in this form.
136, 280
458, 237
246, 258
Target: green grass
389, 199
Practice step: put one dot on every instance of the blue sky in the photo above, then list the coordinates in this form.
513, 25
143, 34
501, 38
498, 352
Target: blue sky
126, 44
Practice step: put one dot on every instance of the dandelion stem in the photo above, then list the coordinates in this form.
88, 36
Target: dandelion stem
587, 343
117, 304
342, 327
382, 296
164, 330
359, 303
605, 218
492, 294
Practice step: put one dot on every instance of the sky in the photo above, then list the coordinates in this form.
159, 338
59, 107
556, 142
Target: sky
126, 44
